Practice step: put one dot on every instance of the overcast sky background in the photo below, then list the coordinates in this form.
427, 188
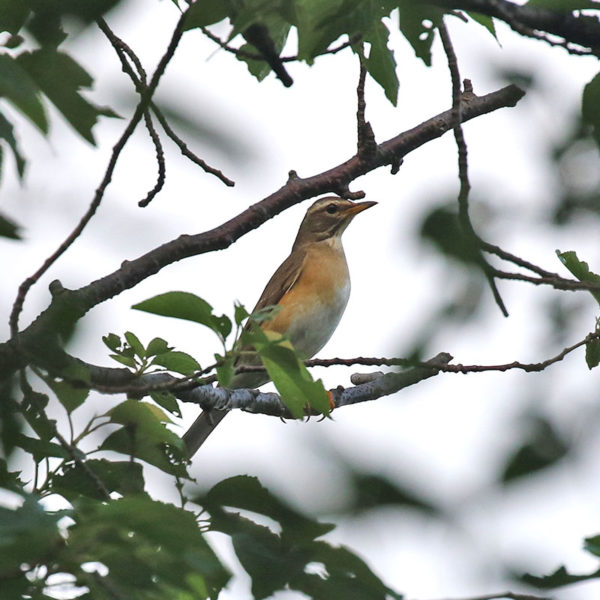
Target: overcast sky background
448, 436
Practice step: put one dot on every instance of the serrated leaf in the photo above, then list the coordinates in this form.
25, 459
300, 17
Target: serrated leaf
167, 401
186, 306
177, 361
157, 346
17, 86
579, 269
413, 16
61, 79
112, 341
381, 64
589, 106
592, 353
135, 343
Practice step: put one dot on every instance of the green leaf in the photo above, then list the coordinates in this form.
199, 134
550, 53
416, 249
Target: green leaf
9, 229
13, 15
565, 5
112, 341
247, 493
180, 362
589, 106
413, 15
124, 360
240, 314
381, 64
592, 545
292, 379
592, 353
187, 306
225, 369
157, 346
485, 21
167, 401
40, 449
579, 269
151, 550
124, 477
61, 79
207, 12
7, 134
558, 578
135, 343
17, 86
145, 436
70, 397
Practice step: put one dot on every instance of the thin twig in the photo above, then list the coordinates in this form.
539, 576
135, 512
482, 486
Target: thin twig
100, 190
366, 144
160, 160
253, 56
463, 164
507, 596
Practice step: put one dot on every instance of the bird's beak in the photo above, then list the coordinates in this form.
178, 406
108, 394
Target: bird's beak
358, 207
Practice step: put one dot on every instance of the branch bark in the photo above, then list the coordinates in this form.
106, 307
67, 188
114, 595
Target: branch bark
38, 343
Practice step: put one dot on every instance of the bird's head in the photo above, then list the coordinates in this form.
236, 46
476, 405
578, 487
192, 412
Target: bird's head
328, 218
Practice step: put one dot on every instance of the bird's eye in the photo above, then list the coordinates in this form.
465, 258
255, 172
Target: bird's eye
331, 209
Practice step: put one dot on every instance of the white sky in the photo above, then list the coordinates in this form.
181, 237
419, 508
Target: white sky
448, 435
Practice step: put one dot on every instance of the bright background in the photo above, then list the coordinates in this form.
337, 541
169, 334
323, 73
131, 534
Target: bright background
447, 437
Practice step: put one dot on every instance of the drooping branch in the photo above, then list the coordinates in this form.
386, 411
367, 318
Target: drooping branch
73, 304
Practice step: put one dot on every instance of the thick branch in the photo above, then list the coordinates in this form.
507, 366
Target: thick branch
73, 304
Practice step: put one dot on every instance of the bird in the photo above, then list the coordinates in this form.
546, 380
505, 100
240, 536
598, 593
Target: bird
310, 289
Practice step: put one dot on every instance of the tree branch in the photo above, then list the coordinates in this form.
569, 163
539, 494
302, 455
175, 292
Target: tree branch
71, 305
581, 29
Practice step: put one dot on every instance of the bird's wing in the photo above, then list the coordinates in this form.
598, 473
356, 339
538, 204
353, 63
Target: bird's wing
282, 280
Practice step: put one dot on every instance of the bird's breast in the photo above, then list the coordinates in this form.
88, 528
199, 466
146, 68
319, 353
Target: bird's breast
313, 307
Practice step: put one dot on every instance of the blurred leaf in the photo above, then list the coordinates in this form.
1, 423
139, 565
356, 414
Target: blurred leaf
28, 534
580, 269
592, 353
13, 15
564, 5
240, 314
247, 493
41, 449
381, 64
145, 436
207, 12
124, 477
183, 305
485, 21
61, 79
418, 24
17, 86
180, 362
225, 369
373, 491
124, 360
279, 561
8, 228
542, 449
70, 397
150, 550
592, 545
590, 104
558, 578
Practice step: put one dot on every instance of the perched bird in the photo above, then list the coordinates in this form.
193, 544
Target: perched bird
311, 289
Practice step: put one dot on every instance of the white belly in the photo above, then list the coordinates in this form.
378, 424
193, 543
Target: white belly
312, 330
